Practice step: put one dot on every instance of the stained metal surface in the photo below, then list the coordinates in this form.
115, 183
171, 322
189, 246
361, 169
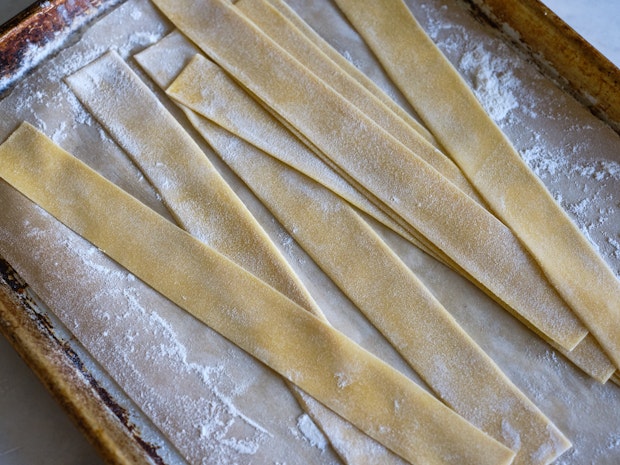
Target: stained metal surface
40, 30
26, 40
560, 53
106, 423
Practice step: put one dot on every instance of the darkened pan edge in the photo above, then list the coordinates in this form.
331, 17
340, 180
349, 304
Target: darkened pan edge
41, 30
560, 53
92, 408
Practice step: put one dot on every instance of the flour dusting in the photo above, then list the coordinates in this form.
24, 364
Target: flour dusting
311, 432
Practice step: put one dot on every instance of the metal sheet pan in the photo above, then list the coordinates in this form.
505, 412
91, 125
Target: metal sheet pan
560, 52
47, 26
63, 368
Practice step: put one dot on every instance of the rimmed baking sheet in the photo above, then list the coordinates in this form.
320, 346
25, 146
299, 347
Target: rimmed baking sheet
574, 153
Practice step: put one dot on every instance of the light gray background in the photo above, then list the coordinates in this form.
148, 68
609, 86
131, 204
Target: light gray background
9, 8
34, 430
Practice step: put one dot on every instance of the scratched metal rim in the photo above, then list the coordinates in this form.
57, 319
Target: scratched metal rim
41, 30
560, 53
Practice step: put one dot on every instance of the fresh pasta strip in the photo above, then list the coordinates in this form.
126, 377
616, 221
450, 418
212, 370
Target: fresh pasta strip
472, 237
590, 358
176, 50
208, 89
393, 299
245, 124
349, 68
587, 355
514, 193
302, 348
254, 123
162, 62
158, 149
349, 442
372, 202
282, 31
194, 192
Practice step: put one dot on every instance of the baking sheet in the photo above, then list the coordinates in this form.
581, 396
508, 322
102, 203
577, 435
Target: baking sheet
169, 365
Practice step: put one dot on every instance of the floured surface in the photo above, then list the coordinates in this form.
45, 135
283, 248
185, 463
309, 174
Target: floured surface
119, 320
512, 191
128, 327
575, 155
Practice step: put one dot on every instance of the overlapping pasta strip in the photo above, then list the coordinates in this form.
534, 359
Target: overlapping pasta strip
457, 225
281, 30
365, 270
393, 299
194, 192
299, 346
350, 69
163, 61
450, 109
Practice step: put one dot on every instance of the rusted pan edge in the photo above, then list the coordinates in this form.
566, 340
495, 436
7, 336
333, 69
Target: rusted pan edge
560, 52
39, 31
25, 41
92, 408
